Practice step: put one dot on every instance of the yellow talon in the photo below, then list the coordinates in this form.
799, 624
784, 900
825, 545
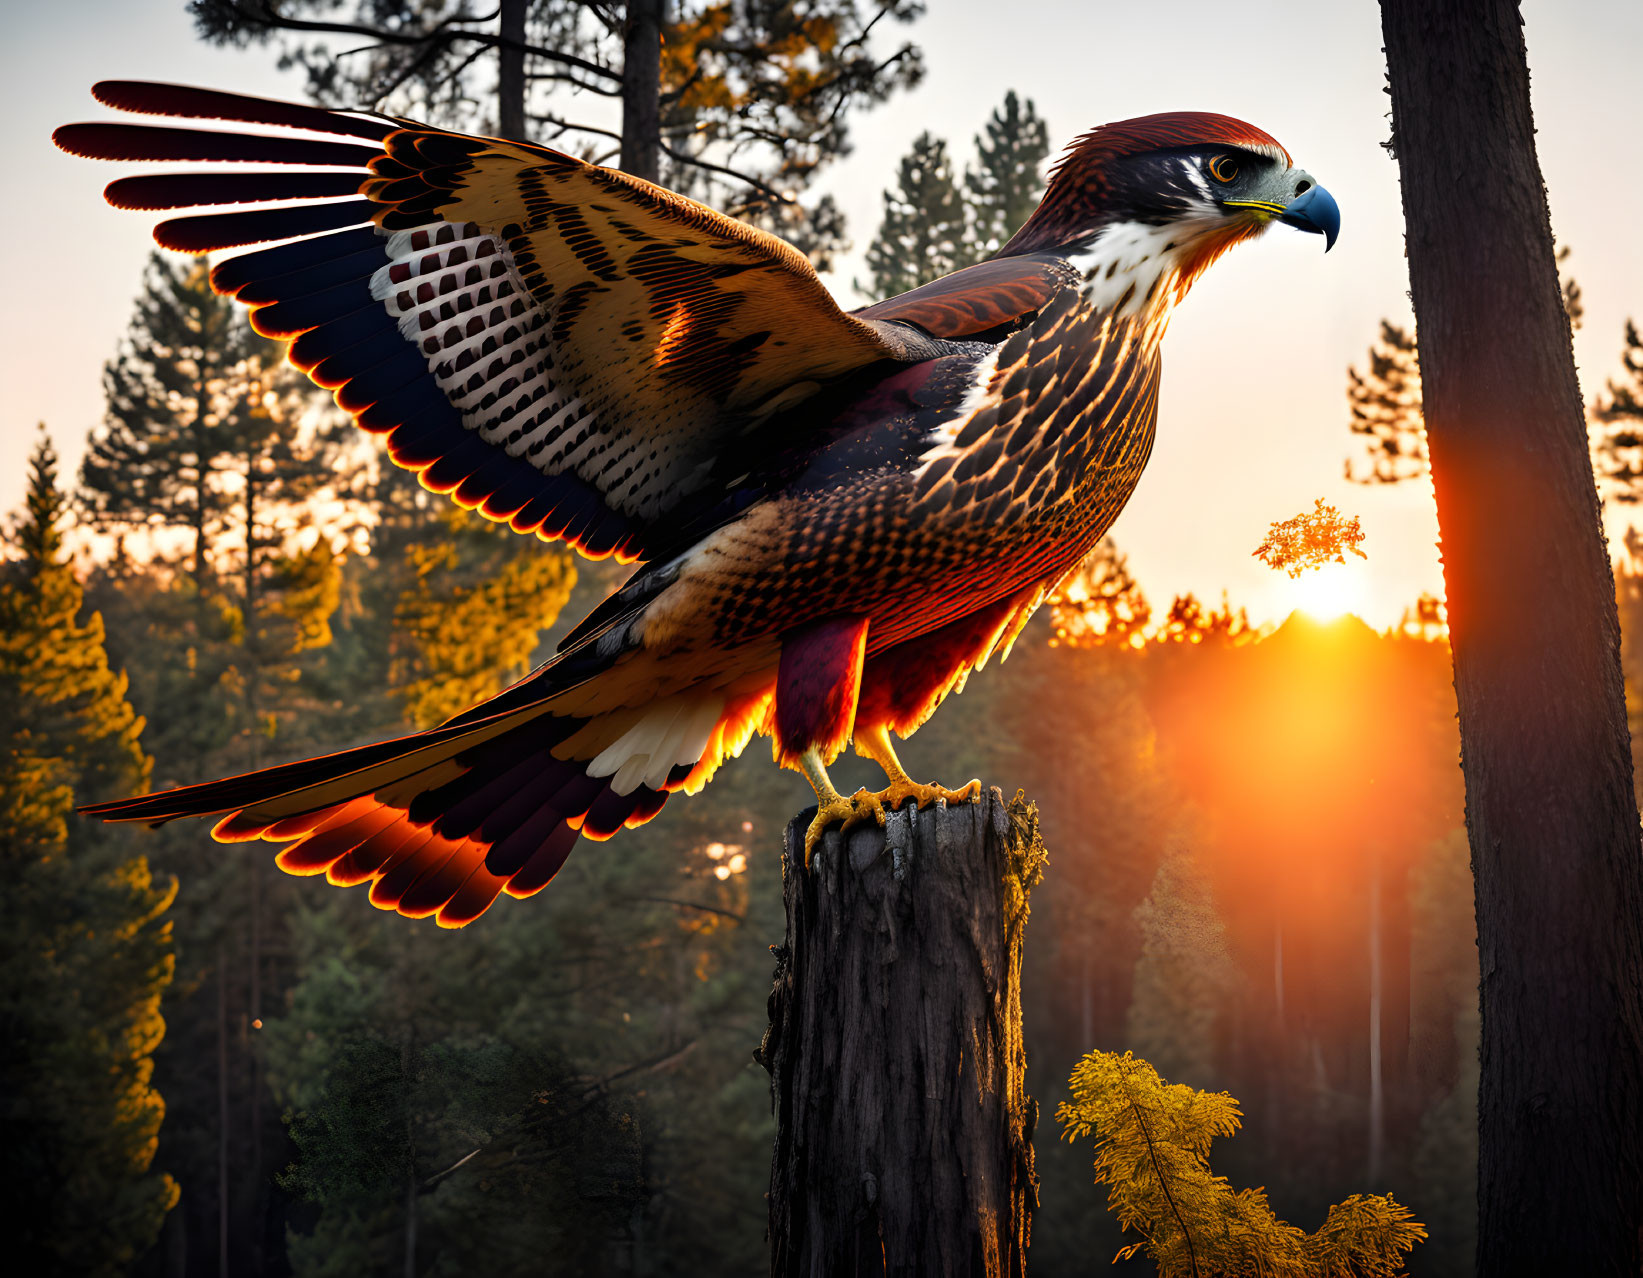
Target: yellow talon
832, 808
859, 809
874, 743
900, 790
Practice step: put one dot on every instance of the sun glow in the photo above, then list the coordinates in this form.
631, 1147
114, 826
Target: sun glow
1328, 592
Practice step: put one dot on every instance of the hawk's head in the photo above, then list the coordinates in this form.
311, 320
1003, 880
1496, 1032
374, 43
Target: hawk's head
1143, 206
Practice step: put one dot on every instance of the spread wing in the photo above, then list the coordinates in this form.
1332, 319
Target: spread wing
558, 345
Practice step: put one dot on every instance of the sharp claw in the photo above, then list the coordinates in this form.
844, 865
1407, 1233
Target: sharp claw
854, 811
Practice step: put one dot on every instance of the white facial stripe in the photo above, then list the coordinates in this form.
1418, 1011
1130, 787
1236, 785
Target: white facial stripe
1195, 174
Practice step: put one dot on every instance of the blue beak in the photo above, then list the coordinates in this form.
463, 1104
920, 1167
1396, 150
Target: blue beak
1315, 210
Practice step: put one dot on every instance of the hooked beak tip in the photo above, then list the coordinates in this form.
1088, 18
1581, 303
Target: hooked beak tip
1315, 210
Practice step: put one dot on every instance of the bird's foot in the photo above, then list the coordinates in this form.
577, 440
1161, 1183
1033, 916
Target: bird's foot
903, 788
847, 813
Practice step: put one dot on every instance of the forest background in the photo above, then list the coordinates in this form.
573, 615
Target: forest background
1258, 882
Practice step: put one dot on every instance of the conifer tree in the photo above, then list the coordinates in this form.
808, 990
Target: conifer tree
1100, 602
924, 233
87, 949
1005, 186
178, 390
934, 224
208, 433
1386, 409
1152, 1152
1444, 964
1619, 445
1185, 978
471, 615
1385, 398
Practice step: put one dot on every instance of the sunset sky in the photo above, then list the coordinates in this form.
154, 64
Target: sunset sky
1253, 414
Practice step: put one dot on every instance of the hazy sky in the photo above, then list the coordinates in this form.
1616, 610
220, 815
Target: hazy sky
1253, 415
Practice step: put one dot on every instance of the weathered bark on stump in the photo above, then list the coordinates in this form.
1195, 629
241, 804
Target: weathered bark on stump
1550, 807
903, 1127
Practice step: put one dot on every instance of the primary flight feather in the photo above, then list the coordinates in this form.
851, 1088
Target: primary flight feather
839, 516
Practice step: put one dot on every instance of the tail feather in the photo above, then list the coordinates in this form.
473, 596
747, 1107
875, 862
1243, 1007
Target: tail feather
443, 822
544, 863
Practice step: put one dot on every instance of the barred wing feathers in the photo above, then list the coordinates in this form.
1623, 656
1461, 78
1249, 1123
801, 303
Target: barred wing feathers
557, 345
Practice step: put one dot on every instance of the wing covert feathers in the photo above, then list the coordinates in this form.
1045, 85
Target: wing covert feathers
982, 300
559, 346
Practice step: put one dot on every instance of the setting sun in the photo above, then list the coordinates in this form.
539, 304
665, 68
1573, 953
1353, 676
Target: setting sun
1328, 592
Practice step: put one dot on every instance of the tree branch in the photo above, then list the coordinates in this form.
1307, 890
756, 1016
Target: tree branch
265, 16
691, 905
566, 125
573, 82
684, 158
1158, 1171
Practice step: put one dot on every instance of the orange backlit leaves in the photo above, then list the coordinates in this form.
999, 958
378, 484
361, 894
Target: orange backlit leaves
1310, 540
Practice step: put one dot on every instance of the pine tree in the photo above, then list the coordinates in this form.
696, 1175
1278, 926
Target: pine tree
1185, 978
1618, 451
1189, 622
933, 224
471, 615
1444, 972
177, 391
1007, 182
924, 233
1386, 409
1385, 398
1152, 1152
209, 434
1100, 602
87, 950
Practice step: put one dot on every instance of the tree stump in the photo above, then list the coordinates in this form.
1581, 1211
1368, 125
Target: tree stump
897, 1068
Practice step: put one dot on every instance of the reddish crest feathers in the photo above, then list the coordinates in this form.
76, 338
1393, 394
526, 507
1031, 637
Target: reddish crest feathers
1158, 132
1077, 178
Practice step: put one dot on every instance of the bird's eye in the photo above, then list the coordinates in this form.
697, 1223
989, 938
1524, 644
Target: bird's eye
1223, 168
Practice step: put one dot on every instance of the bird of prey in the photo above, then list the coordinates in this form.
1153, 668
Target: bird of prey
837, 516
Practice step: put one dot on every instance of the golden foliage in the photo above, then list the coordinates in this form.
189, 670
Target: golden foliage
1152, 1153
462, 626
1189, 621
1310, 540
1099, 602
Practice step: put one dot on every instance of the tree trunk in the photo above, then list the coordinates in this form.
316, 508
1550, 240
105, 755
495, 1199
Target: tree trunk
642, 90
903, 1127
222, 1110
510, 80
1550, 808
